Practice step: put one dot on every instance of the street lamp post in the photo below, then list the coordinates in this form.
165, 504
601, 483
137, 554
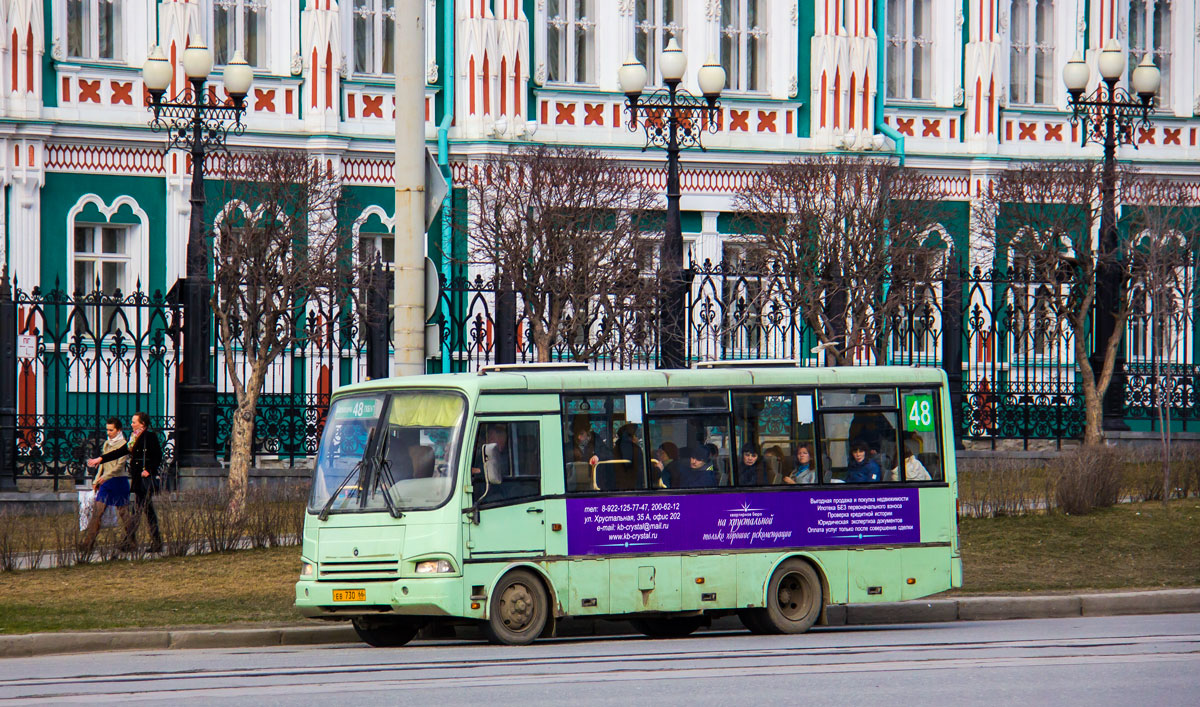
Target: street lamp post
197, 126
1110, 115
674, 119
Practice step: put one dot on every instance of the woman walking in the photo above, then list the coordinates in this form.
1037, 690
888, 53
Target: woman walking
145, 456
111, 487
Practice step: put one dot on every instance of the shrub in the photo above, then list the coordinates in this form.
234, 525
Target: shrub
1088, 479
994, 486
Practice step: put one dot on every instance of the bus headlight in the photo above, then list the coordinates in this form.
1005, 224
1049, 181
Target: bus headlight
434, 567
307, 570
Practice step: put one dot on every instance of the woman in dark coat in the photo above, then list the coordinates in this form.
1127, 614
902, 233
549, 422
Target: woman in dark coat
145, 457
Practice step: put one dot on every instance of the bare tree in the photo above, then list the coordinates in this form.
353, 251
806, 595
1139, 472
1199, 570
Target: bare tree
847, 239
278, 251
1164, 229
1044, 217
566, 230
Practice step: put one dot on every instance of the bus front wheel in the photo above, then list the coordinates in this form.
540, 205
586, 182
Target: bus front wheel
794, 600
519, 609
385, 634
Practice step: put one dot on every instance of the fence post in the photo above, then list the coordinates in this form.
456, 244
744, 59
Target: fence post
952, 340
506, 323
377, 323
8, 385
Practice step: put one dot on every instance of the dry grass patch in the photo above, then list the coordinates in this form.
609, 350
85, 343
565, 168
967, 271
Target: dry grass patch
226, 588
1128, 546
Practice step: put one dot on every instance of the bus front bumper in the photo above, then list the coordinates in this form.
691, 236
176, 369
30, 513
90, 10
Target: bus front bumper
420, 596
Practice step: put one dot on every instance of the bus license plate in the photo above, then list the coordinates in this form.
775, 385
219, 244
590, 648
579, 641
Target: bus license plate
349, 595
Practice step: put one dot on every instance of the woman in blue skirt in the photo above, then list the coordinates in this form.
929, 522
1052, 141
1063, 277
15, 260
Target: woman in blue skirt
111, 486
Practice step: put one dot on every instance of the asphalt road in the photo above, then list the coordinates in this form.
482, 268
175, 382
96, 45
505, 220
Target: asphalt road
1145, 660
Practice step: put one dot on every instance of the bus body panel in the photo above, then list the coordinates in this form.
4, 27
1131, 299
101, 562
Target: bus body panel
641, 584
588, 583
533, 533
709, 582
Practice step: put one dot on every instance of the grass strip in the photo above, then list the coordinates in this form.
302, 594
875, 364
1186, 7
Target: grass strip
1130, 546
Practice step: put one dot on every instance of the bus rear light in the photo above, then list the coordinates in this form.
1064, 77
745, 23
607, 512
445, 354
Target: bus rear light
911, 580
556, 526
474, 605
699, 580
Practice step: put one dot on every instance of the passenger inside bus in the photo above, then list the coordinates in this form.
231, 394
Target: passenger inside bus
876, 431
862, 468
665, 460
805, 471
630, 475
752, 471
697, 470
584, 446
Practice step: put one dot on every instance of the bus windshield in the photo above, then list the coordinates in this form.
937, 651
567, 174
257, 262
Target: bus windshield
388, 453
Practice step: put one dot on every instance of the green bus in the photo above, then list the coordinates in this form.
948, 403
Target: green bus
524, 495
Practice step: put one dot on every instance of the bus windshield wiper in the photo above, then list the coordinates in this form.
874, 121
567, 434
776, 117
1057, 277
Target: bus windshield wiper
355, 472
382, 467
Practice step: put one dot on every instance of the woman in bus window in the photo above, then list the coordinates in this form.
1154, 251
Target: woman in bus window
862, 469
751, 471
805, 471
914, 470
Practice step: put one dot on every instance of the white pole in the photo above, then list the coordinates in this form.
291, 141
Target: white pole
409, 309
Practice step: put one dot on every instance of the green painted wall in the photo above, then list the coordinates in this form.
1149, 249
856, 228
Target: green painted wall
805, 28
61, 193
49, 75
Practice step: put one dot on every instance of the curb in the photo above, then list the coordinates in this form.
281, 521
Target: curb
1166, 601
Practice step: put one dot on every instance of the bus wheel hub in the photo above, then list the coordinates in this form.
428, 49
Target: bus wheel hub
516, 605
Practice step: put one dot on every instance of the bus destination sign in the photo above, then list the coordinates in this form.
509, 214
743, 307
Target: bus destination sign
605, 526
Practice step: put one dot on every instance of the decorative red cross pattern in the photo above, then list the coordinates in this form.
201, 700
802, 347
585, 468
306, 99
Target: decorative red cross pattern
122, 92
264, 100
89, 91
372, 106
566, 113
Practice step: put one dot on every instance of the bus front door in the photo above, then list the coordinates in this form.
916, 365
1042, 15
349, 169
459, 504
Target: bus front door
507, 489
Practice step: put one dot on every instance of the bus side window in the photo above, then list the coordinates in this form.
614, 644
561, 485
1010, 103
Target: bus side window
763, 453
514, 448
920, 456
602, 443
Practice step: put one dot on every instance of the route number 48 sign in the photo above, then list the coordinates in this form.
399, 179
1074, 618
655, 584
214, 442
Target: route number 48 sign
918, 413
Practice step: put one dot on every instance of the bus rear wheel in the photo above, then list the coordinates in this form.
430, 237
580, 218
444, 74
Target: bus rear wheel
674, 627
519, 609
794, 600
382, 633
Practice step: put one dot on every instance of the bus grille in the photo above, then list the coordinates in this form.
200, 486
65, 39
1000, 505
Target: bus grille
359, 570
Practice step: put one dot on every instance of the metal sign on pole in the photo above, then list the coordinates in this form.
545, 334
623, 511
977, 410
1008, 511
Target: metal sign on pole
436, 189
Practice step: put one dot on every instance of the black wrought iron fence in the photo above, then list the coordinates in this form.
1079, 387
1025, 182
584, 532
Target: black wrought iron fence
79, 360
74, 360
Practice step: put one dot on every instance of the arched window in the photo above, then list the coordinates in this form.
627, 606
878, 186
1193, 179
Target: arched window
571, 41
374, 38
743, 45
93, 29
239, 25
910, 49
654, 23
1031, 52
1150, 33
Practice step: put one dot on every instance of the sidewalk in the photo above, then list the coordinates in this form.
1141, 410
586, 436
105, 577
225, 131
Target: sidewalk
1168, 601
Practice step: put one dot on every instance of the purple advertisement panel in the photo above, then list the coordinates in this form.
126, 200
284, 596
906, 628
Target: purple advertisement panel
742, 521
